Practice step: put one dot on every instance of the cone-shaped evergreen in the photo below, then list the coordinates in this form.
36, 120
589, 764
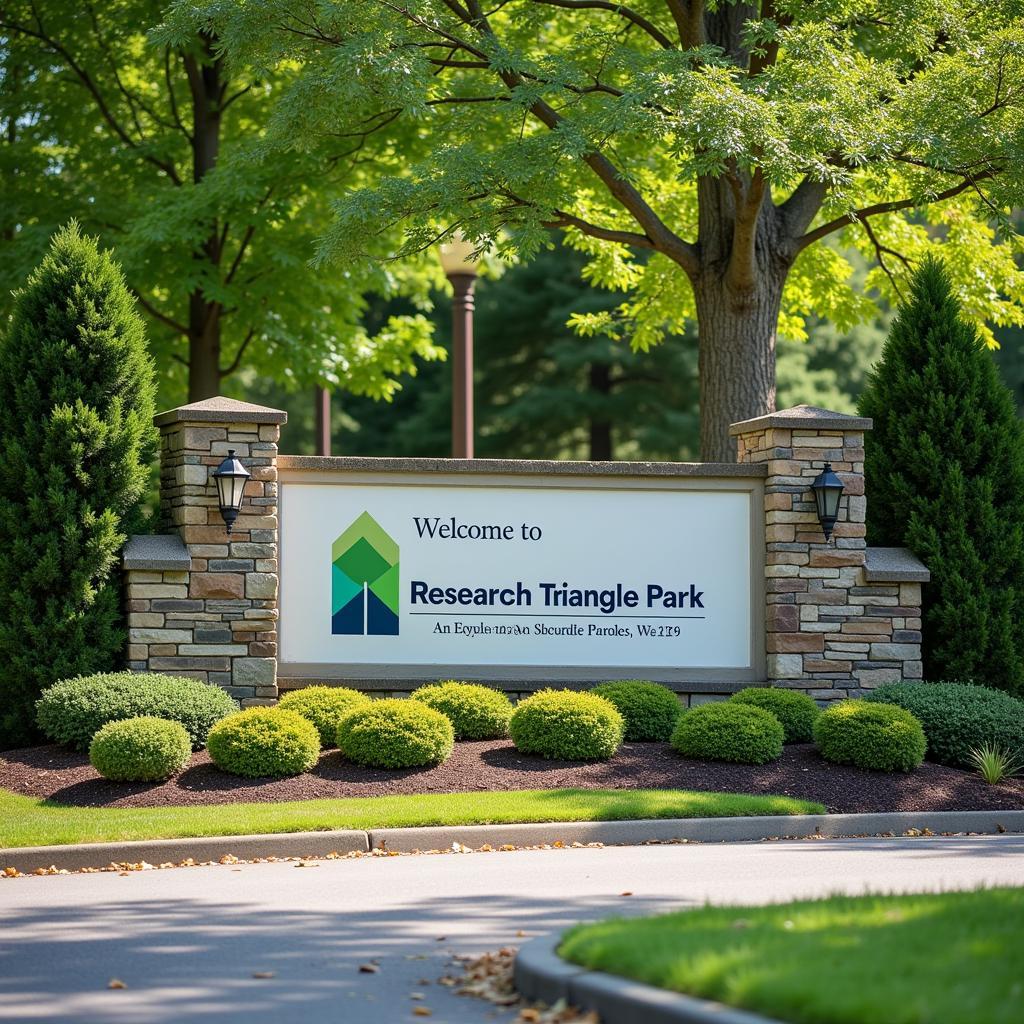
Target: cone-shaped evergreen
945, 478
76, 437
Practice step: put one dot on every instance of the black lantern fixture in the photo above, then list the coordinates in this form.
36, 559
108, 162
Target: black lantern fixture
828, 489
230, 476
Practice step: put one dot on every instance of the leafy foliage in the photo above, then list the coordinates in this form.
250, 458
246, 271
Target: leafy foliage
958, 717
143, 749
264, 743
476, 712
796, 711
76, 436
324, 706
567, 725
73, 710
994, 764
393, 733
945, 470
723, 731
880, 737
650, 710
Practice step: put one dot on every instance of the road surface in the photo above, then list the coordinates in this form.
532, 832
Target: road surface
186, 943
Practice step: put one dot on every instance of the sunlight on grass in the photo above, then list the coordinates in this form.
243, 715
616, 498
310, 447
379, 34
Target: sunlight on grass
952, 957
30, 821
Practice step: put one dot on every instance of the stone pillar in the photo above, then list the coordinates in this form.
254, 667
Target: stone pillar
833, 627
202, 602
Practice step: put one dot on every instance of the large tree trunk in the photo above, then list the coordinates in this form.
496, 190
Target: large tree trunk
207, 89
600, 425
736, 357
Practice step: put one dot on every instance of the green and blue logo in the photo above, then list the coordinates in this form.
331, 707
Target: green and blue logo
364, 581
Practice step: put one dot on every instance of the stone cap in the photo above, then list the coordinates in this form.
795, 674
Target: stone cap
559, 467
894, 565
803, 417
161, 551
220, 410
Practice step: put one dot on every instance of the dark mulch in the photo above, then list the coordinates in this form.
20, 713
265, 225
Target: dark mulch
68, 778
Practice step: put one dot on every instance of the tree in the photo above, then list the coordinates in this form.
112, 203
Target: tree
159, 150
76, 440
945, 471
724, 140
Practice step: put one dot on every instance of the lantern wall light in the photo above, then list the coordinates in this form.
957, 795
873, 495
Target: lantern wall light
828, 489
230, 476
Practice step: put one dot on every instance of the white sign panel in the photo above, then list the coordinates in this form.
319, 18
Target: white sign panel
381, 576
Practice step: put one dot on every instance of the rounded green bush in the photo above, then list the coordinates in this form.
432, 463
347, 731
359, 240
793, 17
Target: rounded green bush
73, 710
143, 749
324, 706
649, 710
264, 742
958, 717
476, 712
724, 731
796, 711
393, 733
566, 725
882, 737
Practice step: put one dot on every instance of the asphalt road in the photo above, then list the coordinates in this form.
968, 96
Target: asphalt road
186, 943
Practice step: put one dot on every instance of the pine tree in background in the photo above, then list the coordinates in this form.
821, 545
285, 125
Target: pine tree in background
945, 476
76, 439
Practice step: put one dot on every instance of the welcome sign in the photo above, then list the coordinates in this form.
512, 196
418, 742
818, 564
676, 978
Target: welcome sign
406, 576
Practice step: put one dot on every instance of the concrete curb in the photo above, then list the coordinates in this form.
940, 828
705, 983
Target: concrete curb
610, 833
541, 974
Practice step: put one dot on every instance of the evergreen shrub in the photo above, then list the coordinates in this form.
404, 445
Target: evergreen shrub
264, 743
723, 731
394, 733
567, 725
143, 749
476, 712
73, 710
76, 440
324, 706
959, 718
650, 710
796, 711
945, 477
881, 737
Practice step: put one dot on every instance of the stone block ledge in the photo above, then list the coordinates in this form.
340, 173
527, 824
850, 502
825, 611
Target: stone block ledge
802, 417
162, 552
220, 410
894, 565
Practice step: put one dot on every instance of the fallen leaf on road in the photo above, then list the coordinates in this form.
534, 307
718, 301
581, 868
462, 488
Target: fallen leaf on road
626, 893
116, 983
263, 974
368, 968
422, 1011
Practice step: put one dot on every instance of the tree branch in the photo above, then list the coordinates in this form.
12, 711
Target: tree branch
605, 5
162, 317
237, 361
630, 238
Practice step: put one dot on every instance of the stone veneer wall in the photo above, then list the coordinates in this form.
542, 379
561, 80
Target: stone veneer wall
201, 602
841, 618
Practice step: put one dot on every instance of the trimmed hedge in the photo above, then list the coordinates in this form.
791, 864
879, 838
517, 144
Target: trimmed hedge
724, 731
394, 733
264, 742
324, 706
881, 737
476, 712
650, 710
958, 717
567, 725
143, 749
73, 710
796, 711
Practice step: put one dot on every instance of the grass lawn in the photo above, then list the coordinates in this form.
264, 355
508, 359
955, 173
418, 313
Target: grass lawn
31, 821
954, 958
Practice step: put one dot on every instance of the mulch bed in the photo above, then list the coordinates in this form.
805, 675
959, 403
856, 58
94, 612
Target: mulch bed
68, 778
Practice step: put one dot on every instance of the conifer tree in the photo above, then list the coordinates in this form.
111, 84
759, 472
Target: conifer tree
945, 478
76, 439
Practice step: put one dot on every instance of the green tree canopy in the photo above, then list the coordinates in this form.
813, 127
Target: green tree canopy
723, 140
158, 150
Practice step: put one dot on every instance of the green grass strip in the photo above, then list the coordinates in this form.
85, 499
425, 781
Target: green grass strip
957, 958
30, 821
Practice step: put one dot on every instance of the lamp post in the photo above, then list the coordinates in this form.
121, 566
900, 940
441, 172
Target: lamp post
230, 477
828, 489
460, 268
